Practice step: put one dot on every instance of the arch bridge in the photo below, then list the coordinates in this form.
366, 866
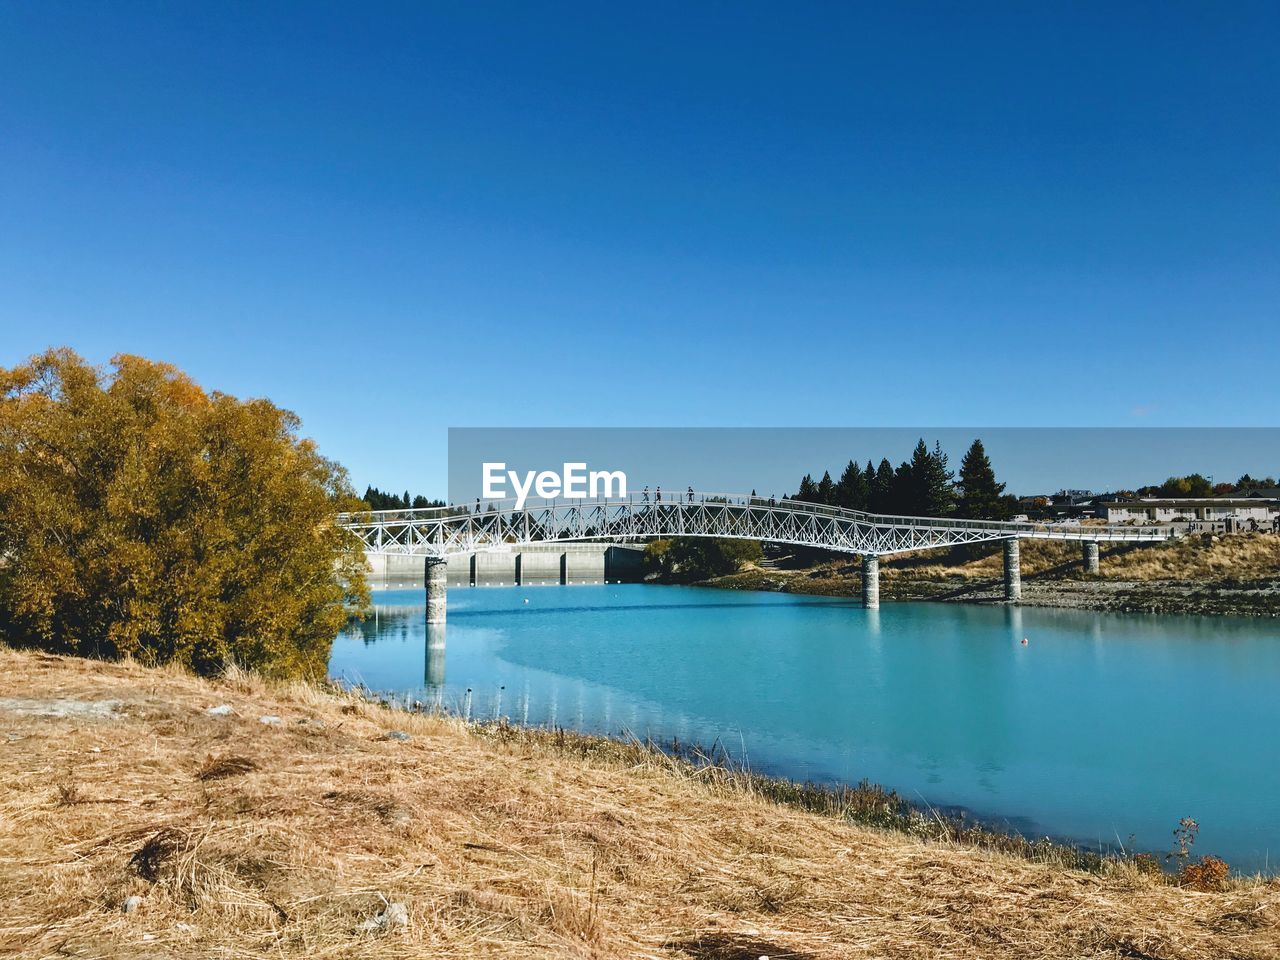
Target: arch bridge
436, 533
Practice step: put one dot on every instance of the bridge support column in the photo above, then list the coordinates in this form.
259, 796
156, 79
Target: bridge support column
437, 589
1012, 570
871, 581
1091, 556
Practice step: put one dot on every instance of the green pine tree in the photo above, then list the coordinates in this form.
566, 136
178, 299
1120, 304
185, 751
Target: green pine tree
938, 485
808, 492
881, 494
826, 489
851, 490
924, 484
904, 493
981, 495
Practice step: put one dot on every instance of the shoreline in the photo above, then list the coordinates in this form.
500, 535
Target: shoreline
203, 816
863, 803
1099, 595
1001, 820
1201, 574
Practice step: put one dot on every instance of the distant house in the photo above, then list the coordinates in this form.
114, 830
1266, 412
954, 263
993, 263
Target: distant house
1063, 505
1068, 505
1073, 498
1257, 493
1214, 510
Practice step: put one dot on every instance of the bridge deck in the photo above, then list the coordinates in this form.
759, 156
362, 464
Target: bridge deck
442, 531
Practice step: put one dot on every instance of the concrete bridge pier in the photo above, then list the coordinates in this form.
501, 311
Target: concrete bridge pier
1012, 570
1091, 556
871, 581
437, 582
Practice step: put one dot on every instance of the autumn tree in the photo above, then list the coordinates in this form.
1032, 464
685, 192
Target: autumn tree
143, 517
1192, 485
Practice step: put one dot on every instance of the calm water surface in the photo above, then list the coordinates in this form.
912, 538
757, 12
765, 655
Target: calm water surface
1101, 728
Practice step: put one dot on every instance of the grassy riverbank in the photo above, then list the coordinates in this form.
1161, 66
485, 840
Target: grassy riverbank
1238, 574
292, 837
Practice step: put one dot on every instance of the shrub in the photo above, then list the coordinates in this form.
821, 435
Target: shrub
655, 558
140, 516
689, 559
1209, 875
1147, 865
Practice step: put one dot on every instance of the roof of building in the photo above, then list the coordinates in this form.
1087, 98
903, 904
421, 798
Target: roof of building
1264, 493
1188, 502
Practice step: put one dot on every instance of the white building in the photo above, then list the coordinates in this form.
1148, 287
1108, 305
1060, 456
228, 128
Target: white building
1192, 510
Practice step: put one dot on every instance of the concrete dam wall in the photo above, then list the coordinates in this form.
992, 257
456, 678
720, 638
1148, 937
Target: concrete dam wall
527, 565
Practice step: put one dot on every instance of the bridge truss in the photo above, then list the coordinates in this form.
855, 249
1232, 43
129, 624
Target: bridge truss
444, 531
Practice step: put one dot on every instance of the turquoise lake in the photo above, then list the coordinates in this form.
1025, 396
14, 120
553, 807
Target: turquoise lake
1102, 728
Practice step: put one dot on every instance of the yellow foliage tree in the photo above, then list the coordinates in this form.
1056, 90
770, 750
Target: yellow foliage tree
143, 517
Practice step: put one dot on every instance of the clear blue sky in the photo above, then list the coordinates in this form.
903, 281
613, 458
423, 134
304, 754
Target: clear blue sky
398, 218
772, 460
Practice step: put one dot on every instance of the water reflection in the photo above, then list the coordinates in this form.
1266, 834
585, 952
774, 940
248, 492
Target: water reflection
1085, 731
873, 623
1015, 623
435, 656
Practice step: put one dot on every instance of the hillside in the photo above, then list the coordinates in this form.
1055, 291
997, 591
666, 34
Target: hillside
1201, 573
294, 822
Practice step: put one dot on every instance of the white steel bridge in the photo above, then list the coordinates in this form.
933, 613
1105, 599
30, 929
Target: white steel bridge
436, 533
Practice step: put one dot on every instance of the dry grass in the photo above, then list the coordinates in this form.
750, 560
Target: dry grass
1199, 557
1248, 556
252, 840
1200, 573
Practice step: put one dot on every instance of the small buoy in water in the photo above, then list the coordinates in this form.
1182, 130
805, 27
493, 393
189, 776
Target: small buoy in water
1024, 641
526, 599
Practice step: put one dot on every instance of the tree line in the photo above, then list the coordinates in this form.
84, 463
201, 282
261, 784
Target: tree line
1198, 485
923, 486
378, 500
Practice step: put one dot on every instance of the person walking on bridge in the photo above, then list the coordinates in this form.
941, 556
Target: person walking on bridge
691, 494
645, 493
657, 495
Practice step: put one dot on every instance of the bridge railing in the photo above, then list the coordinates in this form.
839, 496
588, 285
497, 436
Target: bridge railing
653, 500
